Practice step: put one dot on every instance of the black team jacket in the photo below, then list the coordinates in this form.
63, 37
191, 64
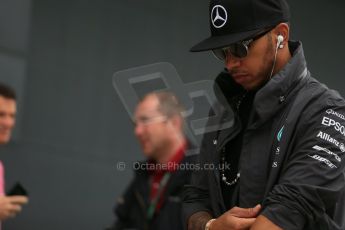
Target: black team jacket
292, 159
132, 207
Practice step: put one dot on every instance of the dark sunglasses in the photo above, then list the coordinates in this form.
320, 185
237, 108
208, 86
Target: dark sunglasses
238, 49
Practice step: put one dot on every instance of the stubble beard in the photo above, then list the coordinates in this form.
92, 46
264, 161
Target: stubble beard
268, 62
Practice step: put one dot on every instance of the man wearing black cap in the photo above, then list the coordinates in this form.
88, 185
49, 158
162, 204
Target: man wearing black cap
286, 149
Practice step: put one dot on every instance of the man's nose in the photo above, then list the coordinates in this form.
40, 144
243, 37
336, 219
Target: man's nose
232, 62
138, 130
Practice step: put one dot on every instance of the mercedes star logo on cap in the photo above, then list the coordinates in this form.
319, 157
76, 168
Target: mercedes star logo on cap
219, 16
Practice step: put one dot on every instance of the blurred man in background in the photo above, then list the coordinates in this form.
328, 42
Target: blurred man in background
153, 199
9, 205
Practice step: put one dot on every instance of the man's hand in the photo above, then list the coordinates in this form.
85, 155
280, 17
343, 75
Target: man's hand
10, 206
236, 219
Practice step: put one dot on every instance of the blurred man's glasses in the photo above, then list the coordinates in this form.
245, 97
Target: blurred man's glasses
149, 120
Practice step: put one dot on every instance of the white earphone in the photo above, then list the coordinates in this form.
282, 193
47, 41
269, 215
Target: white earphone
280, 41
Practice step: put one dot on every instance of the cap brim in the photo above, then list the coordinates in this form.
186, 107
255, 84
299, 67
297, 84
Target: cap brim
217, 42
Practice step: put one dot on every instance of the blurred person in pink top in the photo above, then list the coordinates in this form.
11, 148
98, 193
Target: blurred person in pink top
9, 205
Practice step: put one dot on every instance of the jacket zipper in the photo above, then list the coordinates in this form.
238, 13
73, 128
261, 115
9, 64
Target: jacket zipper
143, 208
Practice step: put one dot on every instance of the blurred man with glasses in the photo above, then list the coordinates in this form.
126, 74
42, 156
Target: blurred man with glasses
153, 199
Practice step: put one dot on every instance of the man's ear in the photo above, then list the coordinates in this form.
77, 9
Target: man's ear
283, 30
177, 122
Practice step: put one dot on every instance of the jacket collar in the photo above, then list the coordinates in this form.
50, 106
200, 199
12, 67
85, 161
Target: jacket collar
269, 98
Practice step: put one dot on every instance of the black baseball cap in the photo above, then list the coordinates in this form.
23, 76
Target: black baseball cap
232, 21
